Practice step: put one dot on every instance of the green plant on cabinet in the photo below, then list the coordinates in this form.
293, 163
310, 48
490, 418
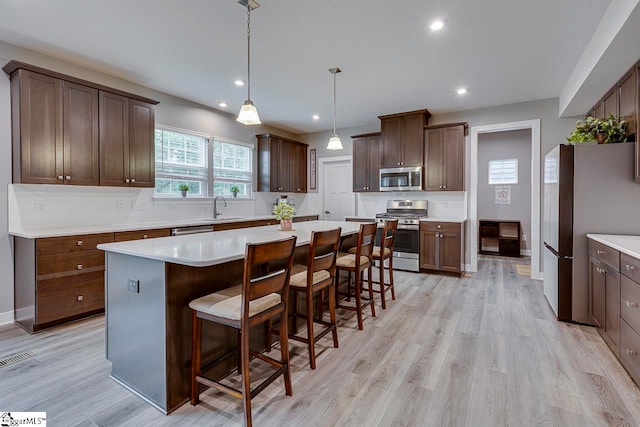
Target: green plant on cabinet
605, 131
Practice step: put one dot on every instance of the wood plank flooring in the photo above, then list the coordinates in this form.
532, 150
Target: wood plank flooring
479, 351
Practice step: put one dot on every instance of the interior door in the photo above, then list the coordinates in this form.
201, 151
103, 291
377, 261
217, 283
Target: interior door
338, 196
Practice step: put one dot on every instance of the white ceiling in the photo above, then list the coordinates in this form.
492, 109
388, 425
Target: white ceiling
502, 51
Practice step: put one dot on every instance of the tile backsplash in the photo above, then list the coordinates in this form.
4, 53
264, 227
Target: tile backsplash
440, 204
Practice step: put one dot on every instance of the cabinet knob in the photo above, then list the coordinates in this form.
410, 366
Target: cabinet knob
599, 252
441, 236
79, 266
444, 186
439, 226
631, 304
80, 297
631, 352
127, 180
144, 236
631, 267
133, 180
79, 243
60, 177
68, 178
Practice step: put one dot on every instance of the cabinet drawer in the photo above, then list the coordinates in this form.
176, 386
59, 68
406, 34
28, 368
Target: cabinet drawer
630, 267
605, 254
630, 350
630, 302
124, 236
69, 263
55, 245
66, 300
439, 226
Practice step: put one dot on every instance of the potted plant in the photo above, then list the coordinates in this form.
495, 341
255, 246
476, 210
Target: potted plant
234, 190
605, 131
284, 213
183, 188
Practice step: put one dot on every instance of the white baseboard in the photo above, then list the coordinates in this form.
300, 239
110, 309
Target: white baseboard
6, 317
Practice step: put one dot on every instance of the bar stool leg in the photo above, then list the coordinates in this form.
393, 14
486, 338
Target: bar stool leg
332, 316
382, 293
393, 289
246, 381
284, 351
373, 308
310, 335
239, 352
196, 342
358, 298
295, 309
267, 337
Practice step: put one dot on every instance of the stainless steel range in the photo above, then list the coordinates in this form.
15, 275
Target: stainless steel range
406, 251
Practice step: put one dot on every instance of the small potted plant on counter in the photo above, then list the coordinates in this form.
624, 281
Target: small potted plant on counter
183, 188
234, 190
605, 131
284, 213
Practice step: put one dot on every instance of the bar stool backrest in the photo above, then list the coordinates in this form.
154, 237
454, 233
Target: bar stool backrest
366, 239
388, 235
258, 279
323, 251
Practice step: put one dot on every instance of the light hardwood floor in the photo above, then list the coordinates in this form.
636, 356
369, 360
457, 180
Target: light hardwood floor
480, 351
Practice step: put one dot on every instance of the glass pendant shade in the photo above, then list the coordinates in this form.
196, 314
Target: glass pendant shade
334, 143
248, 114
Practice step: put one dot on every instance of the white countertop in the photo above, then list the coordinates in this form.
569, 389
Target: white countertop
201, 250
44, 232
629, 245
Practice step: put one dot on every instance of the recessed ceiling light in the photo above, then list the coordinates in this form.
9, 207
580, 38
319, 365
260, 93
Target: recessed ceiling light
239, 82
315, 117
461, 91
437, 25
223, 104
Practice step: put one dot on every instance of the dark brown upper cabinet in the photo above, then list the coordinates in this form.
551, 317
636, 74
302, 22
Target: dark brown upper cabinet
282, 164
367, 152
126, 142
72, 131
55, 130
403, 138
444, 157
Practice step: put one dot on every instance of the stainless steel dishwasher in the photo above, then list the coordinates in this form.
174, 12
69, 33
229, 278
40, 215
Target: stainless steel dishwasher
194, 229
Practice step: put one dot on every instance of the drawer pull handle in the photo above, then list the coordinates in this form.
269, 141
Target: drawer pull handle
631, 352
79, 266
60, 177
80, 297
631, 304
599, 252
631, 267
68, 178
79, 243
145, 236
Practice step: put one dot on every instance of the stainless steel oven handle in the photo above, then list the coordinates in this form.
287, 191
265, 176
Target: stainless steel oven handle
408, 227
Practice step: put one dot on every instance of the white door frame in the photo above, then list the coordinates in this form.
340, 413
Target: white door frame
534, 126
321, 164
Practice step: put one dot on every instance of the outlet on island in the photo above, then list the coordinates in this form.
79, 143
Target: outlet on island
134, 285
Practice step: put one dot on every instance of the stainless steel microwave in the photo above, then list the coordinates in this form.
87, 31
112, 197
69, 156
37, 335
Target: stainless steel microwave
401, 179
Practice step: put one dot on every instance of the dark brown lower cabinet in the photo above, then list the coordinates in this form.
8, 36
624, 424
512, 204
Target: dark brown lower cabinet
614, 303
442, 246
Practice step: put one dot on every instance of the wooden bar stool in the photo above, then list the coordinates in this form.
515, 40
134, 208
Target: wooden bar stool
262, 295
357, 263
319, 275
381, 254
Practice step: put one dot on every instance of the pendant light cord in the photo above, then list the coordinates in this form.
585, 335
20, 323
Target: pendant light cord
334, 103
248, 51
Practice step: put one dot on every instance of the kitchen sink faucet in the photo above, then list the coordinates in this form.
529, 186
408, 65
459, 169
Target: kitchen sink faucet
215, 206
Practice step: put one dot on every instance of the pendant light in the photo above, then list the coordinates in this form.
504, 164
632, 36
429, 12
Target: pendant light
334, 141
248, 113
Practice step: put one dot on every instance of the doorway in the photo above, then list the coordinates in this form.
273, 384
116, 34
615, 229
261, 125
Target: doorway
534, 126
336, 187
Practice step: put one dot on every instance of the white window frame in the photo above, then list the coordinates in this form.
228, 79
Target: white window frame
500, 163
210, 170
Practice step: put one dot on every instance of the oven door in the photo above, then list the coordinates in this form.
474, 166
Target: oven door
406, 247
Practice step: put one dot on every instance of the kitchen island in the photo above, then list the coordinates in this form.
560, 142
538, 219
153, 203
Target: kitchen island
148, 287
